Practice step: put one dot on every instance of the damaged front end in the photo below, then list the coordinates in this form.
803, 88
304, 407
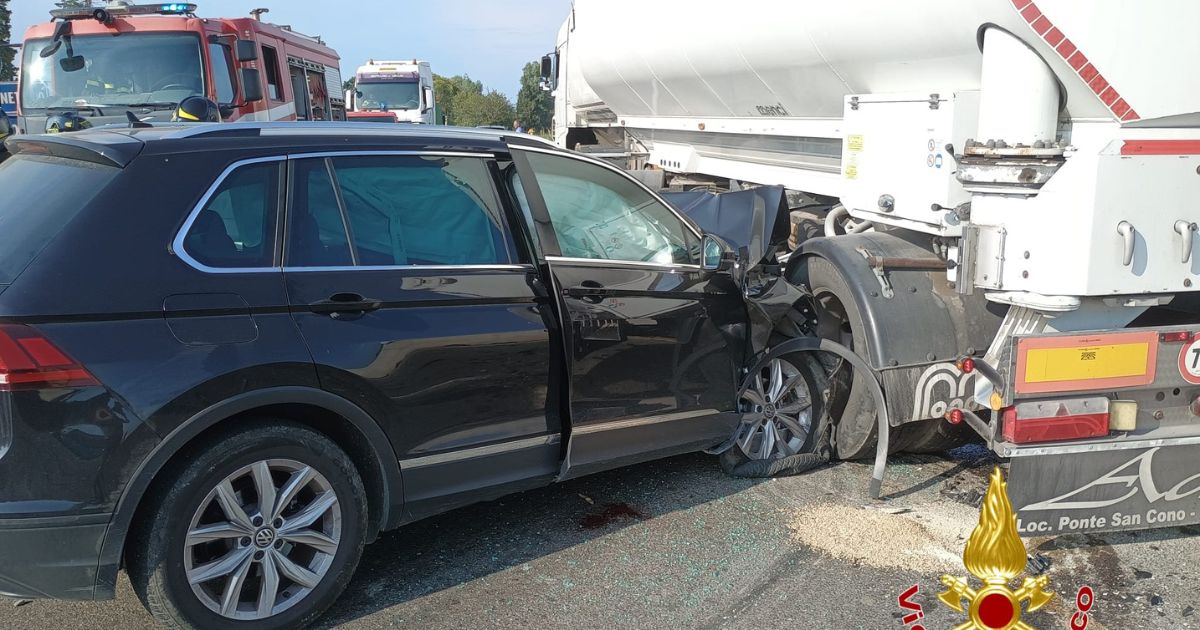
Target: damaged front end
754, 225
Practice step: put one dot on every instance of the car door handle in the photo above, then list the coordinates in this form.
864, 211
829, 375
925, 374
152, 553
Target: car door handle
345, 304
590, 291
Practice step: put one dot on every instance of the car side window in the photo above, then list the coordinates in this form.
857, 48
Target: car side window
412, 211
236, 227
222, 73
317, 228
601, 214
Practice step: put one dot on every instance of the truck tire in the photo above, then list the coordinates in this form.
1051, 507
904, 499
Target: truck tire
766, 443
207, 555
838, 320
935, 436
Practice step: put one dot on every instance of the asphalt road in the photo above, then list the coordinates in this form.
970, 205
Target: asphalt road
677, 544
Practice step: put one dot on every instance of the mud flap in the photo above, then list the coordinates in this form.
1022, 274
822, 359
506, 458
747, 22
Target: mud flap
1106, 490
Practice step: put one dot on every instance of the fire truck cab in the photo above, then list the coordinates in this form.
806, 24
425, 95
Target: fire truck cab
104, 63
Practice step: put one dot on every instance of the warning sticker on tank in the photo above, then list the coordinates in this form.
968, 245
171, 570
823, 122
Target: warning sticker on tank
854, 143
851, 171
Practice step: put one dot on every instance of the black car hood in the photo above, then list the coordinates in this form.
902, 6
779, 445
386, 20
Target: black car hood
754, 222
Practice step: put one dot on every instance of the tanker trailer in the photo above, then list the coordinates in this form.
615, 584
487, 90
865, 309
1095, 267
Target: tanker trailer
1002, 212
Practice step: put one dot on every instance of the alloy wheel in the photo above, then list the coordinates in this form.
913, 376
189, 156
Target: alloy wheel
777, 412
262, 539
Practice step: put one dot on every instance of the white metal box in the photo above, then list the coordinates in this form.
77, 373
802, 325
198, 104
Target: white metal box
897, 157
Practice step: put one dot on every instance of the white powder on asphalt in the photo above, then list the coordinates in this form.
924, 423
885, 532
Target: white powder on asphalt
928, 539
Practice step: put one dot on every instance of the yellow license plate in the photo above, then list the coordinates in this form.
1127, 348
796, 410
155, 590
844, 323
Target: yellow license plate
1086, 362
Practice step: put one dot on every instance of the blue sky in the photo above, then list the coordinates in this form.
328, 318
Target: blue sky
488, 39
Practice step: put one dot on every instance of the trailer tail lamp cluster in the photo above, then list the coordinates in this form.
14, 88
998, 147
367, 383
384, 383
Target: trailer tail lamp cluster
1181, 336
29, 361
1056, 420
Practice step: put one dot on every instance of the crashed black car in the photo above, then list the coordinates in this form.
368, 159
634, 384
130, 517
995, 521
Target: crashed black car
231, 355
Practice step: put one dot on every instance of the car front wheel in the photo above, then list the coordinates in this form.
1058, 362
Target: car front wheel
262, 528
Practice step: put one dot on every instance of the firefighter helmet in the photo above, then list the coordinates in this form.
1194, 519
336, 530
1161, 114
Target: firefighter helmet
65, 122
197, 109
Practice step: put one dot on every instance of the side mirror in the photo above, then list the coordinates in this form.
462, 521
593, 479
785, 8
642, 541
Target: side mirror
252, 90
6, 128
428, 96
716, 255
549, 77
246, 50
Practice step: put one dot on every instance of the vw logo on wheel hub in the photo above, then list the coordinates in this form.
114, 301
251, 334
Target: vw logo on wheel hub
264, 537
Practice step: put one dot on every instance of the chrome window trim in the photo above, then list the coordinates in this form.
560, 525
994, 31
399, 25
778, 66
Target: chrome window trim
177, 246
498, 267
605, 262
385, 152
581, 158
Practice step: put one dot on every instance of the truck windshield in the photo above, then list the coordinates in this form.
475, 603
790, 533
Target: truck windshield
390, 95
131, 69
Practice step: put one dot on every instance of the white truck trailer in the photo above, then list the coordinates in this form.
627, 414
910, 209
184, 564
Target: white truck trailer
1003, 199
393, 91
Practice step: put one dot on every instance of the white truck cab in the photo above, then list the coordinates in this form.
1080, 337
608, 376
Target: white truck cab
393, 91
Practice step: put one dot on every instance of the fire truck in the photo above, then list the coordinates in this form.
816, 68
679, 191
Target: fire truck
107, 63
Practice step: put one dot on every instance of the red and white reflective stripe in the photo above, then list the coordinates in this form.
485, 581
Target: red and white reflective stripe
1076, 59
1161, 147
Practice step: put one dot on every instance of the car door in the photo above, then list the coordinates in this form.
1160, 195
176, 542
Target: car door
650, 372
403, 279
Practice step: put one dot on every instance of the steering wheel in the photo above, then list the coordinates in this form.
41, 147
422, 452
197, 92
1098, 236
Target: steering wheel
166, 83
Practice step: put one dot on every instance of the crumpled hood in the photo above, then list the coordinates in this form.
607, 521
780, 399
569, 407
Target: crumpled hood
754, 222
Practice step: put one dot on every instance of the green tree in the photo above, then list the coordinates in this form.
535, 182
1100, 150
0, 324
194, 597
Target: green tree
473, 109
535, 106
447, 91
8, 72
348, 84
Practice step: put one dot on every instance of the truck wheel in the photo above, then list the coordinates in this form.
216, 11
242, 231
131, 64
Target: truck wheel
838, 320
262, 527
783, 421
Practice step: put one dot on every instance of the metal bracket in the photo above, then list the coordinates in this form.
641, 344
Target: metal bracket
854, 103
880, 272
935, 101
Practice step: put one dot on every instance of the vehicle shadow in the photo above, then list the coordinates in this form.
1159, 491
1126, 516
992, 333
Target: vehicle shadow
483, 539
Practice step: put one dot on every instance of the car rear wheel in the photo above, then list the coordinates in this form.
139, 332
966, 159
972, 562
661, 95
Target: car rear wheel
262, 529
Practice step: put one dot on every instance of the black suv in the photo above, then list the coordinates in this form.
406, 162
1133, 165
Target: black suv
231, 355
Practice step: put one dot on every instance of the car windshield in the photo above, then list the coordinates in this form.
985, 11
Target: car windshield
390, 95
132, 69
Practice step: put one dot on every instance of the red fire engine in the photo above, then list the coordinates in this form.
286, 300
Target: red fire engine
103, 63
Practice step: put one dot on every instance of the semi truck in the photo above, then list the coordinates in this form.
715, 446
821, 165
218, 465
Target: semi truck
393, 91
995, 206
107, 63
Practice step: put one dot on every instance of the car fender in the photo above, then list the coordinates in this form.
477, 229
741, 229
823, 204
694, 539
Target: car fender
114, 540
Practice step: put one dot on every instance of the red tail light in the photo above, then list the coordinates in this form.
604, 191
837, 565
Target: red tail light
29, 361
1056, 420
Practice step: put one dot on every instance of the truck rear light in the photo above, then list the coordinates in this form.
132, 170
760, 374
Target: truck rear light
29, 361
1056, 420
1175, 337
